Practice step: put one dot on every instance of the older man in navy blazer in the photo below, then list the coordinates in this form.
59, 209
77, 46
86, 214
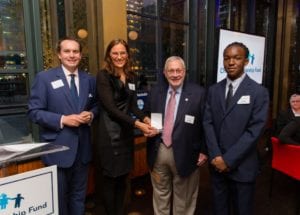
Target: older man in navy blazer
175, 155
232, 132
64, 109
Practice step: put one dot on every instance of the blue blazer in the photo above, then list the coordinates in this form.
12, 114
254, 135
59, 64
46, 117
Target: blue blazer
50, 99
187, 136
235, 132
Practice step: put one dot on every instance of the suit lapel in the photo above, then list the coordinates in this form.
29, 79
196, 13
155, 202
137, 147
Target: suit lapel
184, 101
162, 100
244, 85
221, 94
83, 89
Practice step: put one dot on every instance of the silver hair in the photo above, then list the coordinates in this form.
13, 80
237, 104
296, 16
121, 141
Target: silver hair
174, 58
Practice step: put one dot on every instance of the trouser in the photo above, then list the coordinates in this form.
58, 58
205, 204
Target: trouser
167, 183
72, 184
114, 190
232, 196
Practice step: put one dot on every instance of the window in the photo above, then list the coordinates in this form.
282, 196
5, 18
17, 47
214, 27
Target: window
13, 73
157, 30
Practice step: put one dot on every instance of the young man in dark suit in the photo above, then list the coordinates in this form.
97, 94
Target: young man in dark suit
63, 103
175, 155
235, 115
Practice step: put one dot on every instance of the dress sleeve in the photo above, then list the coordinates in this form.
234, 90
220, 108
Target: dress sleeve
288, 132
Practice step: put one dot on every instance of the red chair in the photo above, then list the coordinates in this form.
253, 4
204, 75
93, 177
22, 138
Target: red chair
286, 158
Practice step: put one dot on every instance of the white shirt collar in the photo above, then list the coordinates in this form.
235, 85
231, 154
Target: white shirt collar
68, 73
178, 90
235, 83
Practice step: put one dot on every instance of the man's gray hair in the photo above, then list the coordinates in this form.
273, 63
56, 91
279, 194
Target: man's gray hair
174, 58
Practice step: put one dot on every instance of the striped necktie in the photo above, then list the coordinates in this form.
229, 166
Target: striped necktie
169, 120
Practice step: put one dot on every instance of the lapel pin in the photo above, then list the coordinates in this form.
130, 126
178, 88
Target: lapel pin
186, 99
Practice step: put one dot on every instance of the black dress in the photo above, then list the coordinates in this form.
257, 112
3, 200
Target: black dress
290, 134
118, 107
284, 117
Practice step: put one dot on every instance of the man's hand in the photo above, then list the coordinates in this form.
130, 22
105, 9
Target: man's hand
152, 132
146, 128
219, 164
201, 159
73, 120
86, 116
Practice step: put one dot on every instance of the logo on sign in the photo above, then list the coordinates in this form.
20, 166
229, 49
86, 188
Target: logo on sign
4, 200
251, 58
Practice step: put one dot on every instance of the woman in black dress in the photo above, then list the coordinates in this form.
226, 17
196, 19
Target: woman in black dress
119, 114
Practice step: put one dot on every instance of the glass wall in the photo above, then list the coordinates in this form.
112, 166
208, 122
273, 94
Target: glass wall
294, 49
57, 19
60, 19
157, 30
13, 73
287, 76
201, 58
245, 16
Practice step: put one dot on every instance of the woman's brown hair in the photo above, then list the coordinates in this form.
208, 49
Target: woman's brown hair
108, 64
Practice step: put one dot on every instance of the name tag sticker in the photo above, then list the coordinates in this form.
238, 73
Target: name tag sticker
244, 100
131, 86
57, 84
189, 119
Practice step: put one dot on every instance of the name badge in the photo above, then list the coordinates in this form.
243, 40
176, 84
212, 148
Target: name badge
189, 119
57, 84
131, 86
244, 100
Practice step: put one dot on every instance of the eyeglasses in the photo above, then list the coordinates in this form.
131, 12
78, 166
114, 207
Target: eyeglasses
173, 71
295, 101
117, 54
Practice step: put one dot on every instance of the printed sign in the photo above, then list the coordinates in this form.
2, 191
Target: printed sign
30, 193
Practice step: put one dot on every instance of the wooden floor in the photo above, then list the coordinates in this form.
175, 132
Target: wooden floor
284, 199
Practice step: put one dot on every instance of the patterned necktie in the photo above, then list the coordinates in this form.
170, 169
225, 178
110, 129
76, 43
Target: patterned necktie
229, 95
169, 120
73, 90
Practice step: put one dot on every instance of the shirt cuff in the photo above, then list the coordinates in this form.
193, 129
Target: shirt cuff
61, 123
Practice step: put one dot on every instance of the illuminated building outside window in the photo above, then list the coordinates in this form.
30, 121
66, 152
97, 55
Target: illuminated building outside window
156, 30
13, 73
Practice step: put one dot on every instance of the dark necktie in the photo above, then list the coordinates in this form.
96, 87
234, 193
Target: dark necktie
169, 120
73, 90
229, 95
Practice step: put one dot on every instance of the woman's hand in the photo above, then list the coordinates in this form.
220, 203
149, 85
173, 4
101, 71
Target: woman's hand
146, 128
147, 120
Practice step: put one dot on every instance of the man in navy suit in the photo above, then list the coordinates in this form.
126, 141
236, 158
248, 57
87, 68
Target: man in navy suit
65, 119
232, 132
175, 160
